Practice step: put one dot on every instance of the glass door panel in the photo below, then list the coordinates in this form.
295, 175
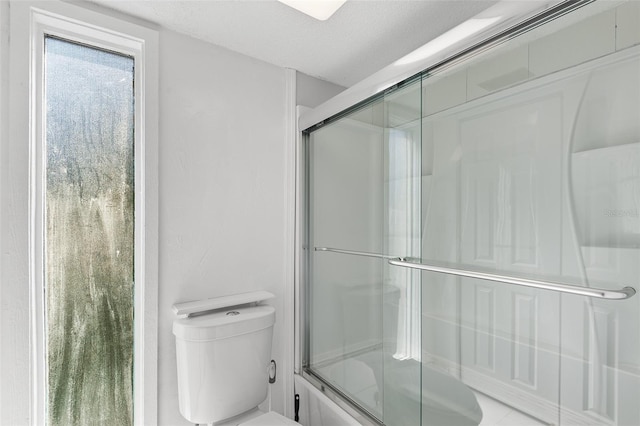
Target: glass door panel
346, 291
402, 217
510, 207
364, 207
600, 348
512, 162
489, 207
534, 171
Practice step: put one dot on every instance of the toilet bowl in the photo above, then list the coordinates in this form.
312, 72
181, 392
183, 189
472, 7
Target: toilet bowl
223, 356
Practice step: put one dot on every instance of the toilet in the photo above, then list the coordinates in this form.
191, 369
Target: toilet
223, 354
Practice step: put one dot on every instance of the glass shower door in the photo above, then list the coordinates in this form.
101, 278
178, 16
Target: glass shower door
346, 291
494, 207
364, 315
533, 173
472, 233
600, 380
402, 404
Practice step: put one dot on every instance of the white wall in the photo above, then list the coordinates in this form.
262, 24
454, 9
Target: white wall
223, 218
14, 278
311, 92
4, 41
221, 188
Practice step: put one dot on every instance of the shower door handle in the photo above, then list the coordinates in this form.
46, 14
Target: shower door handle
356, 253
599, 293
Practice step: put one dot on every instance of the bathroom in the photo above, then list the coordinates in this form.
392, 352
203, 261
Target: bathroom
230, 217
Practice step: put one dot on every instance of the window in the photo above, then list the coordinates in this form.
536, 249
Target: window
92, 219
89, 233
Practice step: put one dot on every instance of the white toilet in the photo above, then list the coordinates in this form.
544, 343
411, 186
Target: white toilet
223, 351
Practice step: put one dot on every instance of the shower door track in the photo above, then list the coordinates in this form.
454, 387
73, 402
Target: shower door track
599, 293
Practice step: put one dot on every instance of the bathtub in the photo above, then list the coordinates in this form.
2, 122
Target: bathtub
433, 396
317, 409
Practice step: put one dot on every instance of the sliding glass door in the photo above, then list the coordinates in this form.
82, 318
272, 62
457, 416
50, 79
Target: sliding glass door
474, 236
346, 180
364, 177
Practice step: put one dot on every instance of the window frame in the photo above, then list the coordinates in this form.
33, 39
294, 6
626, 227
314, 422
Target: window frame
94, 29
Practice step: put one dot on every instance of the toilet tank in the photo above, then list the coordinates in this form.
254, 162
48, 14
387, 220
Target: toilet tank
223, 359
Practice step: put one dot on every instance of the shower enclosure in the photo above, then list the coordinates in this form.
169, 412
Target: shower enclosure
473, 235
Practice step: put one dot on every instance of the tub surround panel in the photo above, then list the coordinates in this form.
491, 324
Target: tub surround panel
561, 47
502, 70
585, 40
628, 23
444, 92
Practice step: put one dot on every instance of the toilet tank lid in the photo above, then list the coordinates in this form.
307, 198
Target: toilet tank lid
186, 309
223, 324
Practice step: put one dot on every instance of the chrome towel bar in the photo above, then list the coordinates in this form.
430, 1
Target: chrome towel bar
357, 253
598, 293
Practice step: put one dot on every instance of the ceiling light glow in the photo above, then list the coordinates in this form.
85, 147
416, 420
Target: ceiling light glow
451, 37
318, 9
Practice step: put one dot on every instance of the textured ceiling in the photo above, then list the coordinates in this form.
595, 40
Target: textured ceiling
362, 37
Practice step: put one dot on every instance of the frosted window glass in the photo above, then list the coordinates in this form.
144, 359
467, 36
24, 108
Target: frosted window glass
89, 238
